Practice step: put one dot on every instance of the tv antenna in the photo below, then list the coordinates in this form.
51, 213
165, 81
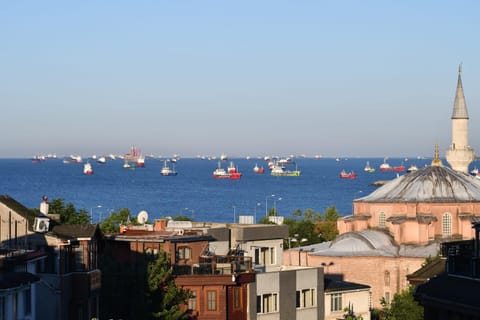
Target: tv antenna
142, 217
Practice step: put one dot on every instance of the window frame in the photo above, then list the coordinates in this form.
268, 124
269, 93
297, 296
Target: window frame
212, 303
446, 225
336, 302
267, 303
306, 298
382, 221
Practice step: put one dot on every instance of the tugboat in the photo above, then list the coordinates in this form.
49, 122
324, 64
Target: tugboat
259, 170
87, 168
368, 168
347, 175
167, 171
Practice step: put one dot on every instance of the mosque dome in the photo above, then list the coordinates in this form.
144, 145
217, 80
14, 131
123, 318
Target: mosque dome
432, 184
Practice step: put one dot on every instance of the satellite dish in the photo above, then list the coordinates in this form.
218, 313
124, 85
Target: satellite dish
142, 217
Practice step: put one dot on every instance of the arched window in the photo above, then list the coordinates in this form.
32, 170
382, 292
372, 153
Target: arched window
381, 220
387, 278
446, 225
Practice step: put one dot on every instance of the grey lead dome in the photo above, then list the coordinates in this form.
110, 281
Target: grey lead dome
429, 184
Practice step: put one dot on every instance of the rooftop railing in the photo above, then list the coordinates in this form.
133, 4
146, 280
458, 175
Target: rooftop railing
215, 265
461, 259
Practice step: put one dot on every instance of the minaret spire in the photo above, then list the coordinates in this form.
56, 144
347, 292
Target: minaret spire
460, 155
459, 106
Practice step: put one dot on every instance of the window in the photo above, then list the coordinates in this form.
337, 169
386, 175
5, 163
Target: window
265, 256
212, 300
184, 253
79, 265
446, 225
272, 255
267, 303
306, 298
381, 220
192, 301
3, 301
27, 301
387, 298
237, 298
336, 302
15, 305
387, 278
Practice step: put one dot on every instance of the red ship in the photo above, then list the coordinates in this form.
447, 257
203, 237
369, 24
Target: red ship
385, 167
348, 175
232, 173
258, 169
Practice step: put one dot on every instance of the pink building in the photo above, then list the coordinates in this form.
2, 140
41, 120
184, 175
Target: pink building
433, 203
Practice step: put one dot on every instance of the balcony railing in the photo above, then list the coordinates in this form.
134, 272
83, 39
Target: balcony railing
216, 265
461, 259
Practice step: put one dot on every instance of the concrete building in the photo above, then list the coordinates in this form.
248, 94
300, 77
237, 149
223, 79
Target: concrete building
235, 271
18, 283
341, 295
69, 278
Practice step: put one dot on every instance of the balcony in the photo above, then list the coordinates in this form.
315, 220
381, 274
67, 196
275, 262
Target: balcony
461, 258
216, 265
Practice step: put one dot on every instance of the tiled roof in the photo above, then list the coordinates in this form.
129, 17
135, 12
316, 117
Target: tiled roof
330, 284
75, 230
429, 271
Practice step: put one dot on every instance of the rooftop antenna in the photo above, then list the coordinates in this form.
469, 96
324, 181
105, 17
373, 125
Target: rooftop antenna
142, 217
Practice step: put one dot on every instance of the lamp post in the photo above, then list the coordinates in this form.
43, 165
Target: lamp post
91, 212
257, 204
275, 204
266, 204
234, 214
192, 211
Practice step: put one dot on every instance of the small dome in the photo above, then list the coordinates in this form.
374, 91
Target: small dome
362, 243
430, 184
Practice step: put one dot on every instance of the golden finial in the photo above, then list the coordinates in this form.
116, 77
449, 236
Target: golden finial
436, 161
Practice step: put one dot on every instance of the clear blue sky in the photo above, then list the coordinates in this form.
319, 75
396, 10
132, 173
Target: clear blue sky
336, 78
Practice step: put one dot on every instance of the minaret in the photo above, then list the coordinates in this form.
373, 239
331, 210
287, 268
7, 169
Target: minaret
460, 155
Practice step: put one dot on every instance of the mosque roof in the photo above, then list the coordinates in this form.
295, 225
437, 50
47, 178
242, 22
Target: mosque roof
369, 243
432, 184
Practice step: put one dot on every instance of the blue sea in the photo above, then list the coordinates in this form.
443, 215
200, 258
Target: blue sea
194, 192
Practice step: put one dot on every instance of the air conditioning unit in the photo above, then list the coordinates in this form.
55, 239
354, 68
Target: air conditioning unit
41, 224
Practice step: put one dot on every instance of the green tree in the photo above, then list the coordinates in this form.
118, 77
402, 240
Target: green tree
403, 307
111, 224
164, 298
331, 214
67, 212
